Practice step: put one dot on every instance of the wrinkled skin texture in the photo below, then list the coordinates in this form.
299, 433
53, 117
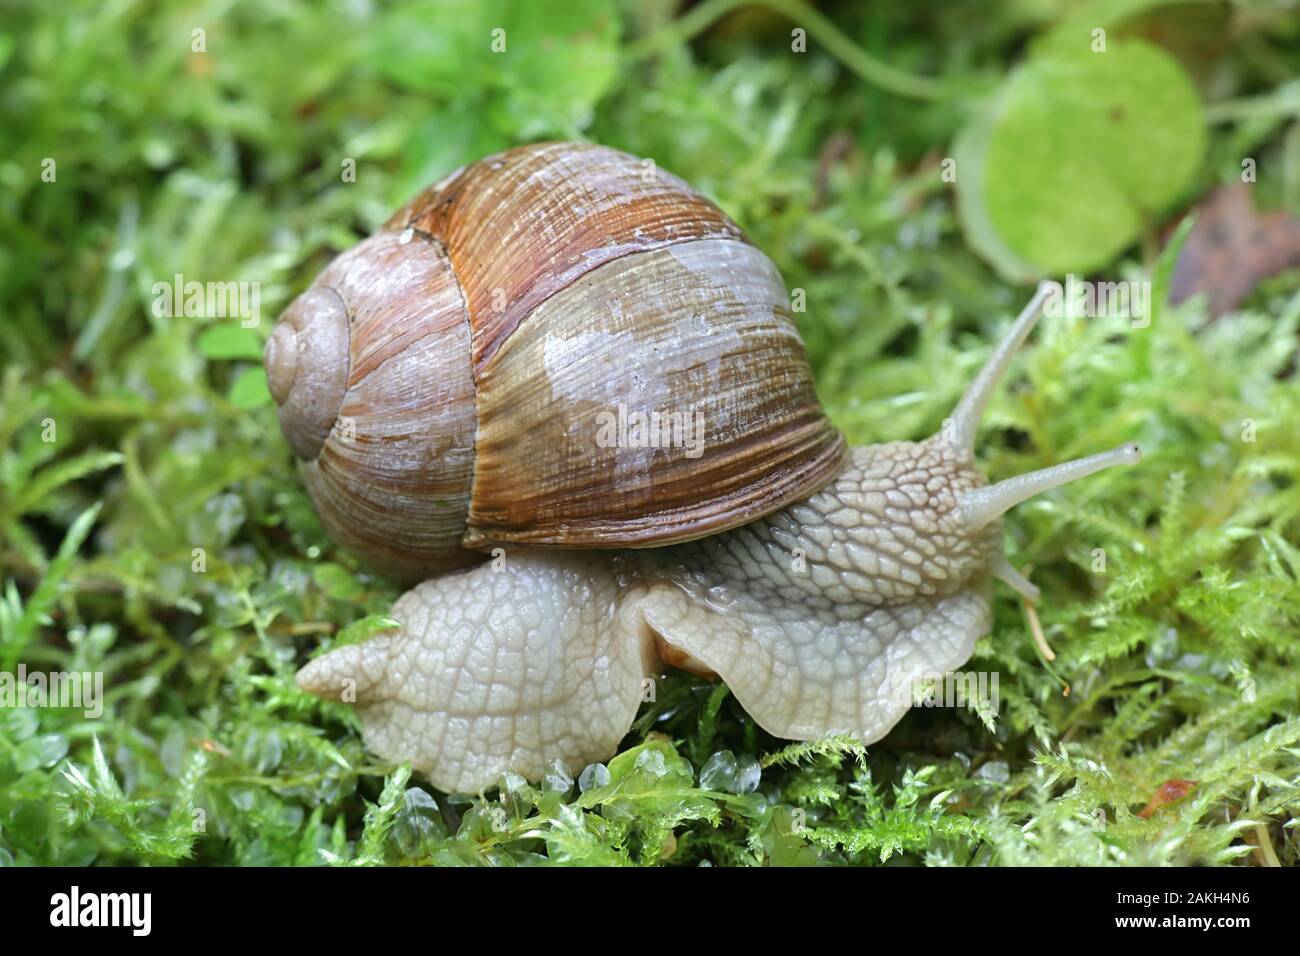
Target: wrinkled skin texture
497, 669
820, 618
891, 588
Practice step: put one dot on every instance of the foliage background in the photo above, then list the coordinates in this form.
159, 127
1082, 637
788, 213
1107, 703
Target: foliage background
225, 165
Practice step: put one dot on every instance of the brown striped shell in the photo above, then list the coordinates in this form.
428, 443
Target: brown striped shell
466, 376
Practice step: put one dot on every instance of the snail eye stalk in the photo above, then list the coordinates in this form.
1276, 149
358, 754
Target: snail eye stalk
982, 505
966, 416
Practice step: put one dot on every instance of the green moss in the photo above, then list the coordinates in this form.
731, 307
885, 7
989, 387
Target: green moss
128, 441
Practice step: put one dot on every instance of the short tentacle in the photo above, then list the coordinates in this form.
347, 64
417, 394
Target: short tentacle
1004, 572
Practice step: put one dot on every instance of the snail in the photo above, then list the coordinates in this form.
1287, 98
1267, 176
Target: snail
473, 392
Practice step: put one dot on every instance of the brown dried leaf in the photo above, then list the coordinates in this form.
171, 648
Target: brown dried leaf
1233, 248
1171, 791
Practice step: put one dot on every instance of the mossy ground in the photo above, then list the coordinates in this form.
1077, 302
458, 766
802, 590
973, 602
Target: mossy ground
1180, 656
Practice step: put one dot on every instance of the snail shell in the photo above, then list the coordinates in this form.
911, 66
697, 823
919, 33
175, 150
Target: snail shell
444, 381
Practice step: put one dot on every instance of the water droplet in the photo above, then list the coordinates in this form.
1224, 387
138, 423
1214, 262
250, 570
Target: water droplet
593, 776
719, 772
158, 153
995, 771
1163, 649
652, 762
748, 774
516, 796
557, 777
418, 821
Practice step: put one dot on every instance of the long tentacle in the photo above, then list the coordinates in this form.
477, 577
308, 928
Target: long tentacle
982, 505
966, 416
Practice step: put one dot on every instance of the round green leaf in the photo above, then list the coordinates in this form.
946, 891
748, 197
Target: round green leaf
250, 389
1077, 153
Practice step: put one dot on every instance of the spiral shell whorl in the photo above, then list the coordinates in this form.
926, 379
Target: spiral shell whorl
491, 324
307, 361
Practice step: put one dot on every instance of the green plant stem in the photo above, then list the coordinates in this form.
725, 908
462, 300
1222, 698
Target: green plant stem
873, 71
1279, 104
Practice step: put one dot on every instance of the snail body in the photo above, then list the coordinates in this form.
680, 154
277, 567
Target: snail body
446, 382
